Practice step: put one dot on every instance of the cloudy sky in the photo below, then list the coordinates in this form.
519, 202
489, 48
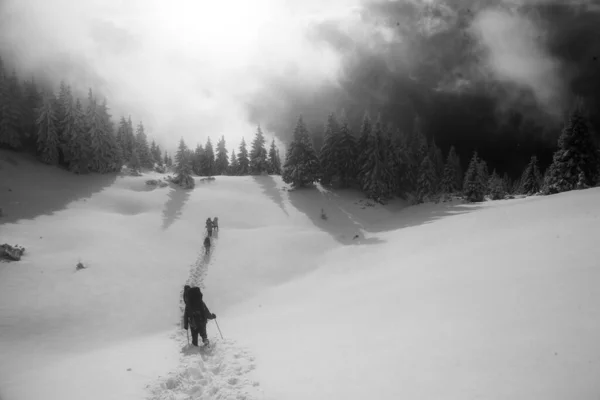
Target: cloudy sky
184, 67
198, 68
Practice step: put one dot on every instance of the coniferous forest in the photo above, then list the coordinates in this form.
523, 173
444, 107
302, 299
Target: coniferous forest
384, 163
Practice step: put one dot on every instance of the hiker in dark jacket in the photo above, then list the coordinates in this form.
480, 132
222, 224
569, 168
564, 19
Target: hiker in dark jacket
196, 316
207, 244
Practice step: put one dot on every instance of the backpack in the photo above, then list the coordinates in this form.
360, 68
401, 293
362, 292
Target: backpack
196, 307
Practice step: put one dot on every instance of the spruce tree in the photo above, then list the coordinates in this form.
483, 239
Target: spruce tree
437, 159
198, 160
222, 161
47, 136
158, 156
141, 145
183, 166
450, 180
66, 127
484, 176
234, 165
301, 167
166, 159
258, 154
346, 153
78, 142
134, 163
374, 170
274, 162
473, 186
577, 152
243, 160
130, 140
122, 139
362, 147
427, 180
31, 102
107, 155
506, 183
154, 153
208, 166
496, 185
328, 155
10, 111
531, 180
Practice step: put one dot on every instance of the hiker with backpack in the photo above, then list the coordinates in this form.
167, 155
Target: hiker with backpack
215, 224
196, 316
207, 244
209, 226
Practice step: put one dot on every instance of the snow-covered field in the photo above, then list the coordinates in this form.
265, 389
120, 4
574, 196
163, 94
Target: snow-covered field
492, 301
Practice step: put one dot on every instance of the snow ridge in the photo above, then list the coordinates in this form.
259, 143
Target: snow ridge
220, 371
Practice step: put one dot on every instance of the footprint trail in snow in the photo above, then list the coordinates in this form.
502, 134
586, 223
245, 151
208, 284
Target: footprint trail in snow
220, 371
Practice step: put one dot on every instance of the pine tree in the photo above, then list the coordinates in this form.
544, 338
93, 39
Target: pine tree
362, 147
208, 166
234, 165
107, 156
166, 159
158, 156
183, 166
577, 152
484, 176
47, 132
243, 160
346, 153
66, 127
31, 102
258, 154
134, 163
142, 148
301, 167
129, 139
122, 139
374, 173
496, 185
222, 161
506, 183
198, 160
450, 180
10, 111
437, 159
155, 153
274, 162
427, 180
531, 180
78, 142
328, 155
473, 187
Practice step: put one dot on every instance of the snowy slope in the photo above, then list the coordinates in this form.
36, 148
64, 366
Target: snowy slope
490, 301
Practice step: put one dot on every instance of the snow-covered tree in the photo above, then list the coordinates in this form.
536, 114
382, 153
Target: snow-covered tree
78, 144
474, 184
577, 152
531, 180
346, 153
47, 131
222, 160
258, 154
142, 148
274, 162
198, 160
208, 165
10, 111
183, 166
234, 165
301, 167
452, 179
374, 171
328, 155
496, 186
243, 160
362, 147
426, 184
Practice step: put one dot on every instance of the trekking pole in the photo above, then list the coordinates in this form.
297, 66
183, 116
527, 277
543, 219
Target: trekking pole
218, 328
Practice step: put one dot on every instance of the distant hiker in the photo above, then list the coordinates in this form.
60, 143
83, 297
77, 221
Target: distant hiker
207, 244
215, 223
209, 226
196, 316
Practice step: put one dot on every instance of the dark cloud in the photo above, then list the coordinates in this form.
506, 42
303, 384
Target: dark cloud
491, 75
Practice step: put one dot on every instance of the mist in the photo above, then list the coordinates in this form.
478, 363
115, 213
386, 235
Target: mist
183, 67
497, 76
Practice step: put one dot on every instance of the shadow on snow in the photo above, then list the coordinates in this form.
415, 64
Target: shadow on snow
269, 187
173, 207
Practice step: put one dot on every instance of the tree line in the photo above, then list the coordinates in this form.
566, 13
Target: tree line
63, 130
206, 161
384, 163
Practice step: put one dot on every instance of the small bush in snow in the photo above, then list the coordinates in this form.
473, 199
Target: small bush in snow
80, 266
